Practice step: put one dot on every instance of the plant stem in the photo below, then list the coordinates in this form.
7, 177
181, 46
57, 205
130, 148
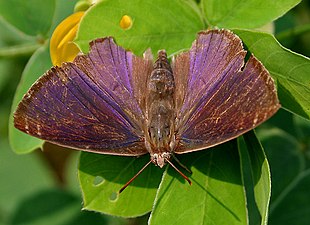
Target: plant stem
19, 50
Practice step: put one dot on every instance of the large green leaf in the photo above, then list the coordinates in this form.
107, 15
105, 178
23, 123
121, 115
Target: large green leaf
303, 130
37, 65
158, 24
287, 165
20, 44
63, 9
286, 162
244, 13
290, 70
63, 208
32, 17
294, 208
256, 175
277, 121
102, 176
20, 176
287, 153
216, 196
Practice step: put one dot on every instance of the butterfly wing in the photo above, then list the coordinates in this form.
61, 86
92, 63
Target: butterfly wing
89, 104
224, 98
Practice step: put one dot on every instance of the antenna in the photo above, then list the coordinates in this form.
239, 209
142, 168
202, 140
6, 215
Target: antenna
174, 167
182, 174
134, 177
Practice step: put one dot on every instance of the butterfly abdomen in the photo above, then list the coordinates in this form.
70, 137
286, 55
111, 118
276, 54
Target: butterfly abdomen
160, 107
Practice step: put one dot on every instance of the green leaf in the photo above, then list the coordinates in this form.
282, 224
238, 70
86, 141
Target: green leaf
277, 121
159, 24
62, 208
303, 130
216, 196
11, 36
293, 32
9, 71
256, 175
291, 180
63, 9
20, 176
244, 13
37, 65
31, 17
285, 158
290, 70
102, 176
294, 208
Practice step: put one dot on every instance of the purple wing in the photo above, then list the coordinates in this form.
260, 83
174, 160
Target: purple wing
89, 104
222, 99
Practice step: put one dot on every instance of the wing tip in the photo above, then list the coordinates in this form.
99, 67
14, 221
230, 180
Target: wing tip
101, 40
101, 43
227, 34
222, 31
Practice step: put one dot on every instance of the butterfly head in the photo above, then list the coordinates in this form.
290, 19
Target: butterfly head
160, 159
160, 142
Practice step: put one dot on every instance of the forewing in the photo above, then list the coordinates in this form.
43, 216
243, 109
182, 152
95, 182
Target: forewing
88, 104
223, 100
114, 71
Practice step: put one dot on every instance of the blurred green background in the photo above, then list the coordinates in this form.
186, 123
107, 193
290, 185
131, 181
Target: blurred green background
42, 187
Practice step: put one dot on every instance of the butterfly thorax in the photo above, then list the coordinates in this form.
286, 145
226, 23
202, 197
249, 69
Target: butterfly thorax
160, 111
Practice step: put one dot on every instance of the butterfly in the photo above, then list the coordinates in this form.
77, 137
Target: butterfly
110, 101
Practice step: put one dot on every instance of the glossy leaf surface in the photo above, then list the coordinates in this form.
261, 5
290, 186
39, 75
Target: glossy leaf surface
174, 29
216, 196
102, 176
232, 13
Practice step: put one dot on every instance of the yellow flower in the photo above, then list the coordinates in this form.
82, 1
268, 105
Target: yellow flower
62, 48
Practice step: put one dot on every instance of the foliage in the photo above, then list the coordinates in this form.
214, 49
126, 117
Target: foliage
231, 182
